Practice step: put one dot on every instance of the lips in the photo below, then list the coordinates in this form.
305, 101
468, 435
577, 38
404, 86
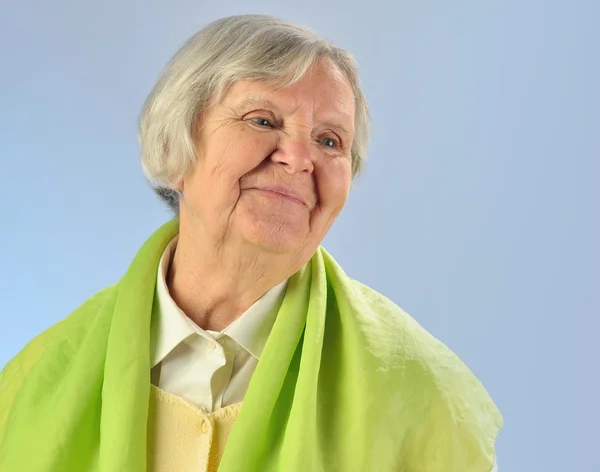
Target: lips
286, 193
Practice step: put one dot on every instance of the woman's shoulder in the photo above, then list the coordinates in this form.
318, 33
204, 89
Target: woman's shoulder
53, 346
70, 329
399, 339
403, 346
391, 321
395, 337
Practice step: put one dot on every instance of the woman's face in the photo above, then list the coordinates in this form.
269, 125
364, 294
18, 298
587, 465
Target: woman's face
273, 166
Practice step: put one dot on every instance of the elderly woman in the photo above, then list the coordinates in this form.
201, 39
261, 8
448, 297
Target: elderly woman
234, 341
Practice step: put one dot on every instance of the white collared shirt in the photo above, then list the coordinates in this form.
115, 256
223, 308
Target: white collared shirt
208, 368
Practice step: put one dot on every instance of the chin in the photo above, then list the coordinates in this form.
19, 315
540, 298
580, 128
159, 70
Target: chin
282, 238
273, 231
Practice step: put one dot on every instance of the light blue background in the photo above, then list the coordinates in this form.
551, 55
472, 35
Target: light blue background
478, 212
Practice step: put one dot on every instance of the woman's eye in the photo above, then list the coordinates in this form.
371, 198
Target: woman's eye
329, 142
262, 122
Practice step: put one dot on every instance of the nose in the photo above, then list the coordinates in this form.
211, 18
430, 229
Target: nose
295, 154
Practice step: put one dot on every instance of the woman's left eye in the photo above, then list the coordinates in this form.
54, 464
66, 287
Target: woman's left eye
262, 122
329, 142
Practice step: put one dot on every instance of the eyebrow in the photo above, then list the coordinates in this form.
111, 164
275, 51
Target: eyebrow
253, 102
337, 126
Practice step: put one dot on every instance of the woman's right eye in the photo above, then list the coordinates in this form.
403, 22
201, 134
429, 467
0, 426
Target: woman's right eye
262, 122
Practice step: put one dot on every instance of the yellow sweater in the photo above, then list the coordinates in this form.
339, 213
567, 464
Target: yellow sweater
183, 437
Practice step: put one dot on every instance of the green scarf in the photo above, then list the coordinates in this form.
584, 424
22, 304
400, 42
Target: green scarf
347, 382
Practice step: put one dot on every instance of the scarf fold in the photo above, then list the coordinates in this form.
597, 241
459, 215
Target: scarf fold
347, 382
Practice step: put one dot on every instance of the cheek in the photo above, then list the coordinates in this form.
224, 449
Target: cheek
247, 151
333, 183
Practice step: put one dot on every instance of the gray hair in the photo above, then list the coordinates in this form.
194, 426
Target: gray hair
257, 47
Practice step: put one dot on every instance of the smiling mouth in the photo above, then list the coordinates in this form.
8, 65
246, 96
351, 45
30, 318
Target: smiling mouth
283, 194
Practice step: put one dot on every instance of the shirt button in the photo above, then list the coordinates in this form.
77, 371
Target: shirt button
205, 427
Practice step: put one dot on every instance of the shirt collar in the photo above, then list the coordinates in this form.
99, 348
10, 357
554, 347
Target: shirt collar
170, 326
251, 330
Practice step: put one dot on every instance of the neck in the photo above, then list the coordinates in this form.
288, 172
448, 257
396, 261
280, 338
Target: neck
214, 284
